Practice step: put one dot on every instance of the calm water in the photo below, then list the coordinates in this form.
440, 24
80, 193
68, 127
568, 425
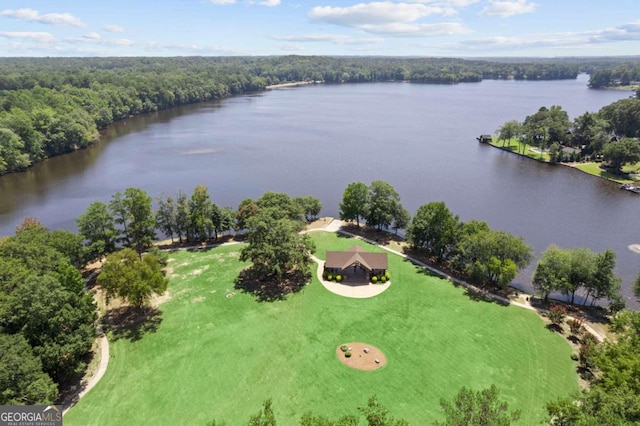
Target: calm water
316, 139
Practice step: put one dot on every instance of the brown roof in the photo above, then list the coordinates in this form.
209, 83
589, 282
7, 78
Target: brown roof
356, 256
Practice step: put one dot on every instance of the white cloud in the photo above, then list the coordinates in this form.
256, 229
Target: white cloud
269, 3
114, 28
418, 30
331, 38
505, 9
188, 49
396, 19
582, 39
222, 1
94, 38
375, 13
38, 36
292, 48
447, 3
48, 18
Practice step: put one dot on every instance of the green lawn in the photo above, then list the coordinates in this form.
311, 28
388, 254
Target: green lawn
514, 145
594, 169
219, 357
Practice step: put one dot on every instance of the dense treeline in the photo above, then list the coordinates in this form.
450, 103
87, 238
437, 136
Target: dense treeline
609, 135
51, 106
47, 321
615, 74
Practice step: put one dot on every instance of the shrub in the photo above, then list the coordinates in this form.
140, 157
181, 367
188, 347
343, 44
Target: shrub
575, 325
324, 275
344, 348
575, 357
387, 275
330, 277
557, 314
374, 279
338, 278
383, 279
347, 354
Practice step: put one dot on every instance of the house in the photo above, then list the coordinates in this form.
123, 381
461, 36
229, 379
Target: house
354, 260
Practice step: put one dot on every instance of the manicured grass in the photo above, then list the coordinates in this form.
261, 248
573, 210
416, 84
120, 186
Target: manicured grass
594, 169
219, 357
515, 146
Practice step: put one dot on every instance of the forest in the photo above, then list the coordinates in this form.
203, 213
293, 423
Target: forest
52, 106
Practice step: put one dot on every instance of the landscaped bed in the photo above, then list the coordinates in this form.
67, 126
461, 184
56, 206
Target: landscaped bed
217, 357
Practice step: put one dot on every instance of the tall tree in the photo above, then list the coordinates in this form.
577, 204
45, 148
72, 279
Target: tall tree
377, 414
97, 227
12, 157
223, 220
280, 205
21, 377
310, 206
604, 283
477, 408
132, 210
201, 213
183, 216
581, 271
384, 201
42, 298
401, 218
493, 257
247, 209
276, 249
132, 278
355, 201
434, 229
552, 271
621, 152
166, 216
509, 130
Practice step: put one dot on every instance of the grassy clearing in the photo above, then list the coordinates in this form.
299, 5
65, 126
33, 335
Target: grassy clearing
215, 356
515, 146
595, 170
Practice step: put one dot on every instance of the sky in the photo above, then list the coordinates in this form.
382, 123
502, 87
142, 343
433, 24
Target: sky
442, 28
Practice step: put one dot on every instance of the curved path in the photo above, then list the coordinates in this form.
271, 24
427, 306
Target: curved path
336, 226
103, 342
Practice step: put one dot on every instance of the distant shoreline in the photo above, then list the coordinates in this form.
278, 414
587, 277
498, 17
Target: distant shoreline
292, 84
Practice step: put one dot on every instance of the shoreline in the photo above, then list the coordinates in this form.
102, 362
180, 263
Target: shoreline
572, 165
292, 84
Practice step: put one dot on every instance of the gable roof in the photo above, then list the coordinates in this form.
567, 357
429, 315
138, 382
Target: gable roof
356, 256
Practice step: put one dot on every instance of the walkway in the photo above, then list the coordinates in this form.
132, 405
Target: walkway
336, 226
103, 342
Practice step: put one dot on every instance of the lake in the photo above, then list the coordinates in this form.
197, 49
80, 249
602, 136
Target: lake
314, 140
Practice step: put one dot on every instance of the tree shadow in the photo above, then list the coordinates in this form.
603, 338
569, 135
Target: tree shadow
128, 322
555, 328
271, 289
574, 339
383, 236
482, 296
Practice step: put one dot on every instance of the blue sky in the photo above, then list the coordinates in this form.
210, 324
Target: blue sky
459, 28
